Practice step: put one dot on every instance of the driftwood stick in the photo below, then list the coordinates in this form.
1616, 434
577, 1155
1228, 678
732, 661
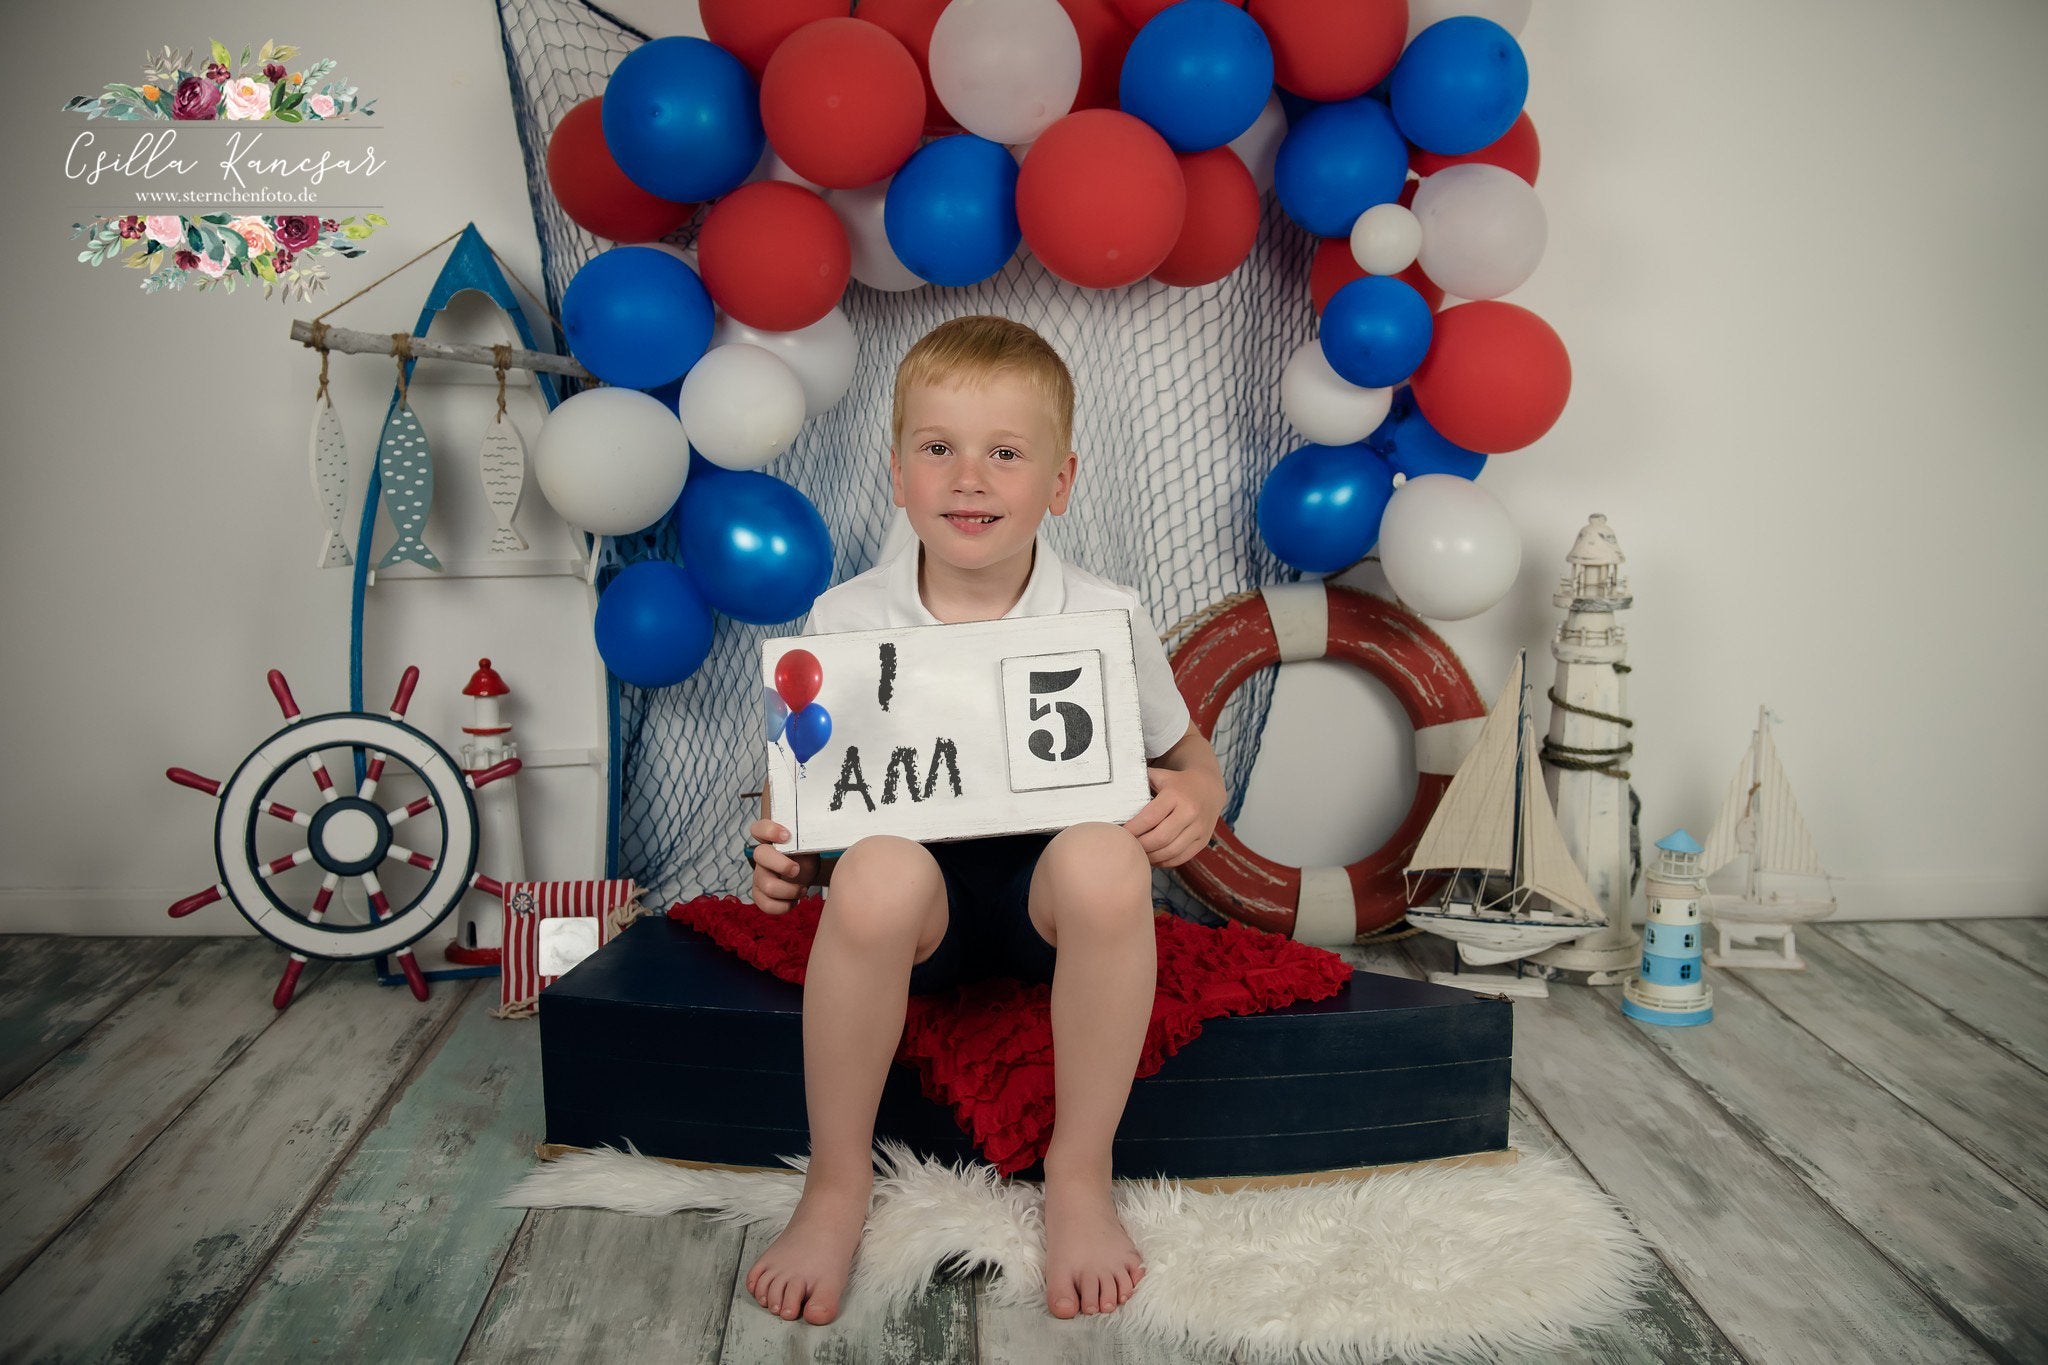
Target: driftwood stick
379, 343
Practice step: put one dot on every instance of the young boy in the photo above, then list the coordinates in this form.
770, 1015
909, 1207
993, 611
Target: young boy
979, 453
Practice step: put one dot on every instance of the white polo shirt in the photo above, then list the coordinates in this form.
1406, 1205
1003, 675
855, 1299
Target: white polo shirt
886, 595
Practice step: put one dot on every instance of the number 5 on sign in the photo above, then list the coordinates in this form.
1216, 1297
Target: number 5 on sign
964, 731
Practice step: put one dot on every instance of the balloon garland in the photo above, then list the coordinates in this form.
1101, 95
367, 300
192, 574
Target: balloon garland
1116, 139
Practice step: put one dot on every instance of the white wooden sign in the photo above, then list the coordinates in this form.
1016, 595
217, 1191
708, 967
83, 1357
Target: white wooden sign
963, 731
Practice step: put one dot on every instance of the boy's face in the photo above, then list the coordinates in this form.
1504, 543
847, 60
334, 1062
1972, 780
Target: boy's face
978, 450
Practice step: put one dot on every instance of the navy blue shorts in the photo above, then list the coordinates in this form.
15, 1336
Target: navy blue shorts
988, 914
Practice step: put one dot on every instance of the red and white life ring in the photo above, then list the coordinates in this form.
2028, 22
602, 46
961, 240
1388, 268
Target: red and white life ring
1290, 621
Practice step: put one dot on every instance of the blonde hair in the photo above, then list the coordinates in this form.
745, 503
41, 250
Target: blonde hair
977, 347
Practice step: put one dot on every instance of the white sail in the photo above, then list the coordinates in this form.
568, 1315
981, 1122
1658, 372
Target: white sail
1732, 833
1782, 841
1547, 866
1474, 824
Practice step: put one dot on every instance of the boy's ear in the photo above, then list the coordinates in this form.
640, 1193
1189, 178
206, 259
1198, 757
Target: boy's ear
1063, 484
895, 479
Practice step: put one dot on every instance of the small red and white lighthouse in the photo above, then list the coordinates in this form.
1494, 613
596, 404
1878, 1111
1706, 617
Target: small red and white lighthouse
480, 919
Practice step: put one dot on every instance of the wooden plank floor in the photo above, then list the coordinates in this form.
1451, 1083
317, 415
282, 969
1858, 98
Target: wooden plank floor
1846, 1165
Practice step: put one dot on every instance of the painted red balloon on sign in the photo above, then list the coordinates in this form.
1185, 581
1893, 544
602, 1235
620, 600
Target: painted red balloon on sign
798, 676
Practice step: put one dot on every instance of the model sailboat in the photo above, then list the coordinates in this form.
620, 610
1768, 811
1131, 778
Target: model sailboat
1508, 886
1785, 883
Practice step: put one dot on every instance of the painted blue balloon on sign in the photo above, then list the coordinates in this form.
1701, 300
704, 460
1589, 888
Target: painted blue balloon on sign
808, 730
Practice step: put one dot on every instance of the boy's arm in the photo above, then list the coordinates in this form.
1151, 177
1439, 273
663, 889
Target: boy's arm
1180, 818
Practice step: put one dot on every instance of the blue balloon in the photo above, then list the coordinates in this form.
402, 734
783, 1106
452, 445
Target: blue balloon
1320, 508
774, 714
636, 317
1376, 330
1339, 161
808, 730
1408, 443
951, 212
1459, 86
1199, 72
653, 627
755, 547
682, 117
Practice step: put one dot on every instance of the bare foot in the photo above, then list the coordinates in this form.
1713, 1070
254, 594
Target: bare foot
1091, 1264
805, 1269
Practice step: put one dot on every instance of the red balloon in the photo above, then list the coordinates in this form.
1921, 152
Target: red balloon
1495, 379
1517, 150
1101, 199
774, 255
751, 30
798, 676
1105, 39
1333, 266
1222, 220
595, 193
912, 22
842, 103
1138, 13
1332, 49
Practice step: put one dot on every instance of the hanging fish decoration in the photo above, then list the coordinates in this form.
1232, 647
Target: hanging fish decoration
407, 469
329, 451
502, 463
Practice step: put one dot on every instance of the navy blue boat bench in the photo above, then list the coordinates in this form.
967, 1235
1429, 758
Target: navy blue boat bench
666, 1039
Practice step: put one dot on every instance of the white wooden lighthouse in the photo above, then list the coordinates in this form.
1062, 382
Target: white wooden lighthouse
480, 920
1586, 754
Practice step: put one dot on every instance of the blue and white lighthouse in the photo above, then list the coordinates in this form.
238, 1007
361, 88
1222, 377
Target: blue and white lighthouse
1670, 986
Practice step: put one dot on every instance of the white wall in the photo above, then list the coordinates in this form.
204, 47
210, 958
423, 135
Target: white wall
1792, 253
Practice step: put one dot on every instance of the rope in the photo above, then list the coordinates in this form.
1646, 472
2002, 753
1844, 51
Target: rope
1570, 756
1187, 623
318, 340
387, 275
503, 360
401, 351
513, 275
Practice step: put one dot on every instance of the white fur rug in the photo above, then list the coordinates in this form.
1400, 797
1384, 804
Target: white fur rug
1421, 1263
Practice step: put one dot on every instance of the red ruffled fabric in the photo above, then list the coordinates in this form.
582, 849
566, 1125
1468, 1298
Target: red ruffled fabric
985, 1050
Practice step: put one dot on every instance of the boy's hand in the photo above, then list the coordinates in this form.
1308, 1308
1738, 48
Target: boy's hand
780, 879
1176, 823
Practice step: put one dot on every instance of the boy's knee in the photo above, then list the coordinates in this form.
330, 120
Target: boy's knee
1098, 871
1096, 853
884, 884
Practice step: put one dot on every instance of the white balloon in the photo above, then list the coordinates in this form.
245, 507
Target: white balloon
741, 406
1509, 14
1385, 239
1006, 69
771, 166
1483, 229
1324, 406
822, 354
875, 263
687, 255
611, 461
1258, 145
1448, 548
